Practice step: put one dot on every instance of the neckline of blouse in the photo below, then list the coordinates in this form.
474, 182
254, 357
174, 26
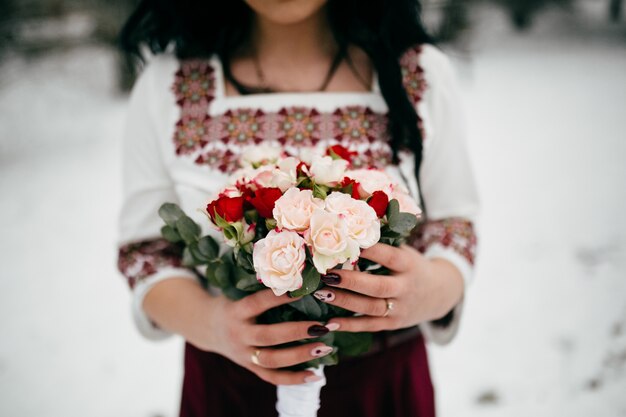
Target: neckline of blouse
220, 89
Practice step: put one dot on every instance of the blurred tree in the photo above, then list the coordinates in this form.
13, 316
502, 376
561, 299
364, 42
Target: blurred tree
615, 10
523, 11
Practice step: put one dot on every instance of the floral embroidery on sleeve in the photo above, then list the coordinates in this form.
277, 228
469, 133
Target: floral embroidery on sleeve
136, 261
455, 233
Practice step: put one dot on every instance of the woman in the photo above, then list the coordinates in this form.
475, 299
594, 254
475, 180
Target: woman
302, 74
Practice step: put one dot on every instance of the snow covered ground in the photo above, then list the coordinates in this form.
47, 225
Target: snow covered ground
544, 330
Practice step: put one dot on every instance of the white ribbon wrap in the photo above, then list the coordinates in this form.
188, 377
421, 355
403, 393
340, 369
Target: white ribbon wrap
301, 400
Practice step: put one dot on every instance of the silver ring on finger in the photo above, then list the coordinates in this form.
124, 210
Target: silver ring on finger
389, 307
255, 356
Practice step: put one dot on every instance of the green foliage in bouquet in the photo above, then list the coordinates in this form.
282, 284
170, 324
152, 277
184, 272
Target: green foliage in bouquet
233, 272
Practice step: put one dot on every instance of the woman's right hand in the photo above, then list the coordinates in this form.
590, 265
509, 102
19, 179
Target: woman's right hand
229, 328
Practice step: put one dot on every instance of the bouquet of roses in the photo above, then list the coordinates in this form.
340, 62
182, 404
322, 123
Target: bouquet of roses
288, 222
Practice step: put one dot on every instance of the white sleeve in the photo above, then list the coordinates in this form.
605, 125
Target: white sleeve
144, 257
447, 182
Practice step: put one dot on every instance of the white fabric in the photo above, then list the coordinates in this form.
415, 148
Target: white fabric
154, 174
301, 400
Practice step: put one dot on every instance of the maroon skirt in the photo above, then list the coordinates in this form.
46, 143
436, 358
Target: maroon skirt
393, 382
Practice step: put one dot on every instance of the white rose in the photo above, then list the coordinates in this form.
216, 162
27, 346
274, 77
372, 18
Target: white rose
406, 203
246, 175
258, 155
230, 191
293, 210
361, 219
330, 241
279, 260
285, 175
372, 180
328, 171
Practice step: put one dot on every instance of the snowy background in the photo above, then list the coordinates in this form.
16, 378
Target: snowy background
544, 330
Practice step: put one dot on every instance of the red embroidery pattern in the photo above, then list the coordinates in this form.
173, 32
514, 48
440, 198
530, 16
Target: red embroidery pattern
194, 84
413, 79
454, 232
299, 126
219, 140
136, 261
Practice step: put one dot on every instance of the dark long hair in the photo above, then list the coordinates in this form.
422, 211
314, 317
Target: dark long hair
383, 29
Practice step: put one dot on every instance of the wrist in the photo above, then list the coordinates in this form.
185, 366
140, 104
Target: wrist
449, 284
180, 306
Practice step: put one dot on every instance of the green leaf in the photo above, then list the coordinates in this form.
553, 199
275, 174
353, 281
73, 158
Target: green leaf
247, 282
310, 282
352, 344
188, 229
309, 306
210, 273
220, 222
329, 360
170, 234
188, 260
320, 191
234, 293
244, 260
270, 224
170, 213
403, 223
208, 247
222, 273
393, 209
251, 216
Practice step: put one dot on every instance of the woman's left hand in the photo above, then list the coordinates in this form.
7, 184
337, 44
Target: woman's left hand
418, 290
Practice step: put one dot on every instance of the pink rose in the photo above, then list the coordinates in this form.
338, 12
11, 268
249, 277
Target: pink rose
279, 260
330, 241
371, 180
361, 219
293, 210
406, 202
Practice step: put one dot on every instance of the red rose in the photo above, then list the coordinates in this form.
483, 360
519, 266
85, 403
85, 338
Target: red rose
341, 152
379, 202
264, 200
228, 208
355, 187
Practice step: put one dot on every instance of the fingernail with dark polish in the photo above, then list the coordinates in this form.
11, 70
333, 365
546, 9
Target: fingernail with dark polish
324, 295
331, 279
317, 330
321, 351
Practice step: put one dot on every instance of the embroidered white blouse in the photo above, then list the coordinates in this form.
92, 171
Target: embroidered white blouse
183, 138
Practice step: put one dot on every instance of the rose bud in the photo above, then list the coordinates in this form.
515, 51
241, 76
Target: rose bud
379, 202
264, 200
346, 182
341, 152
228, 208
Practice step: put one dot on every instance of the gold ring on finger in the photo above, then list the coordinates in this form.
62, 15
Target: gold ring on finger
389, 305
255, 356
